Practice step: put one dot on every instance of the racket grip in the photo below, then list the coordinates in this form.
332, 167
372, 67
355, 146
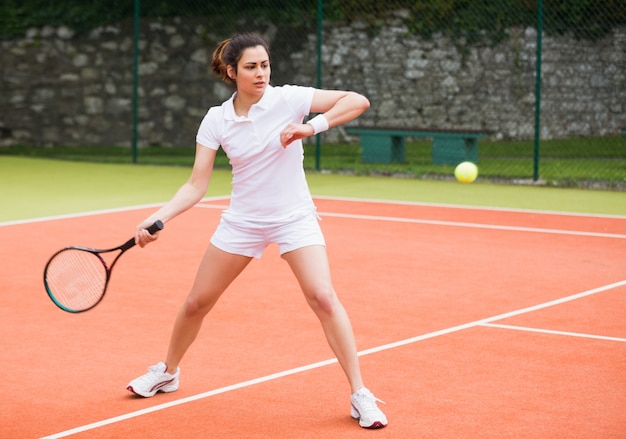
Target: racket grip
155, 227
158, 225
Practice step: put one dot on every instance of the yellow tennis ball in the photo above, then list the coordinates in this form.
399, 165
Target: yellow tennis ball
466, 172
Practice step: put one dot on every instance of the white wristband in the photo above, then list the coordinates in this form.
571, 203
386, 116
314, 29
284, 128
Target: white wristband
319, 124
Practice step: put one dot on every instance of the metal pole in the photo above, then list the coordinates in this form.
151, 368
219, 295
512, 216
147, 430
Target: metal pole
320, 20
135, 79
538, 91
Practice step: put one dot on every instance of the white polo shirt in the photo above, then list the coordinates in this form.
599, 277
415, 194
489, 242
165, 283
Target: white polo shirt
268, 184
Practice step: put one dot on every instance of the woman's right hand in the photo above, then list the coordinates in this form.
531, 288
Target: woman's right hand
142, 236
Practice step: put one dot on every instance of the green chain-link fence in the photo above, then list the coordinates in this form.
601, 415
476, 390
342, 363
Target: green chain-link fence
71, 76
454, 64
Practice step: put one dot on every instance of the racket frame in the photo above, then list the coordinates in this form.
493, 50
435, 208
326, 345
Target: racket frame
155, 227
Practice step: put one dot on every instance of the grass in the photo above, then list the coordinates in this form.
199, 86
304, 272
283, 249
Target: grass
578, 162
36, 188
598, 162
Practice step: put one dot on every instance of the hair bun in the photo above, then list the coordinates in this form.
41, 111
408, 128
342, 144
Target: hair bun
217, 62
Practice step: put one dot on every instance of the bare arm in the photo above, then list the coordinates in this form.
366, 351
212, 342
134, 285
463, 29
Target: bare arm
186, 197
338, 107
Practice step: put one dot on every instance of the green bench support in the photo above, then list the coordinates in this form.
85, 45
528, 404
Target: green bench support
387, 145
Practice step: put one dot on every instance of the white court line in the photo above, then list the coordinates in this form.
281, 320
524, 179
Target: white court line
322, 197
190, 399
473, 225
305, 368
96, 212
550, 331
471, 207
453, 224
495, 318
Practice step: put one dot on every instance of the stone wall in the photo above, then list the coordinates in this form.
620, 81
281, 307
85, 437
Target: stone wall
58, 88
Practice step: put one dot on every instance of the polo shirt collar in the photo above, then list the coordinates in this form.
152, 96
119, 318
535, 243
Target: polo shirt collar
266, 99
264, 103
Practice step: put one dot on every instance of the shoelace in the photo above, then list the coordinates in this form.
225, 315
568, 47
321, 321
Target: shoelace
153, 372
367, 402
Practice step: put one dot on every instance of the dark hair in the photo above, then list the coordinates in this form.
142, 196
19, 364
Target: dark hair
228, 53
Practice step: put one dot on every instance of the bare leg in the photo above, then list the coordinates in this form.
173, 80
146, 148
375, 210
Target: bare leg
216, 272
311, 268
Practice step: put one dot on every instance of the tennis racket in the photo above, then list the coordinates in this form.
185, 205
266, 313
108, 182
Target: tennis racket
76, 278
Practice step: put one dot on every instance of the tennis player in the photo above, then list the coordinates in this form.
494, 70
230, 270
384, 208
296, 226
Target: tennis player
260, 128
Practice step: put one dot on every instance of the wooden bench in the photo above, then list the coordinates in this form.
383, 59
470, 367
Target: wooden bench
386, 145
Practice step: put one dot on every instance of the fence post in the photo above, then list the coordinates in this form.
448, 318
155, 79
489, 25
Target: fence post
135, 78
320, 21
538, 91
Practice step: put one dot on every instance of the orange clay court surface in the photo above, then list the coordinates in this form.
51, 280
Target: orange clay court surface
471, 323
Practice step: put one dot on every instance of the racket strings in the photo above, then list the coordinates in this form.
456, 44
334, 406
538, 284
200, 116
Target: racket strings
76, 279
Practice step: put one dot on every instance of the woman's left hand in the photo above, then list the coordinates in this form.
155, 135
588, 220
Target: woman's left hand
295, 131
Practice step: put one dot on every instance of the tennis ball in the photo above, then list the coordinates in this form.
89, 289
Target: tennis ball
466, 172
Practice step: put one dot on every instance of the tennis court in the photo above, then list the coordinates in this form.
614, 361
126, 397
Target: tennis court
471, 322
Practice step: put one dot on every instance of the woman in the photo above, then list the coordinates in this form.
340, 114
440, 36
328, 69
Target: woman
260, 128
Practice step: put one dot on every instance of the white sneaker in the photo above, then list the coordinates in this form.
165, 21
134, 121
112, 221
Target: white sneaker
156, 380
365, 409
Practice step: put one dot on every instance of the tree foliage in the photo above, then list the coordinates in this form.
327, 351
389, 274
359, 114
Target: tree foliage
470, 19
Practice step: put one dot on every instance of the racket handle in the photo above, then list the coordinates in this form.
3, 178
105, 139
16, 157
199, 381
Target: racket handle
158, 225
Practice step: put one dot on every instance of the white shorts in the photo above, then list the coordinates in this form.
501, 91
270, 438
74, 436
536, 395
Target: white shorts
250, 238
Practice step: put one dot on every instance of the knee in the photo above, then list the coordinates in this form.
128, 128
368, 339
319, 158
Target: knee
194, 308
323, 299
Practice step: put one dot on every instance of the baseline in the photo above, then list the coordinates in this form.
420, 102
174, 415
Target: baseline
457, 223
